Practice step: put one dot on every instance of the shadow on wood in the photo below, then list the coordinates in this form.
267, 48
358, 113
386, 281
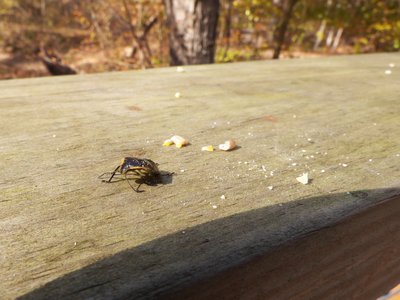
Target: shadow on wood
343, 260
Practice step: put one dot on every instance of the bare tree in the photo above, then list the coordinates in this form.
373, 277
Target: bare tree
140, 40
228, 26
280, 32
192, 30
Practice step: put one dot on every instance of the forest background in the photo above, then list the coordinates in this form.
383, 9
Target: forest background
111, 35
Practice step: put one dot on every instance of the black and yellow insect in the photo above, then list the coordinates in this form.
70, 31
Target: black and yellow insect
141, 170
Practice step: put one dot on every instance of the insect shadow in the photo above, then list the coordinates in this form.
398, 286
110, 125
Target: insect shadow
141, 171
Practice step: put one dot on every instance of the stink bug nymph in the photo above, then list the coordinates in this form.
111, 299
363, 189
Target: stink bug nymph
141, 170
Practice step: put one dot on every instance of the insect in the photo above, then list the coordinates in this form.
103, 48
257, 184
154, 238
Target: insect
142, 170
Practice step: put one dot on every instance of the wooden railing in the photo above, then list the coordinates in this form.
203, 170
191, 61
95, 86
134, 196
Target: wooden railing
66, 234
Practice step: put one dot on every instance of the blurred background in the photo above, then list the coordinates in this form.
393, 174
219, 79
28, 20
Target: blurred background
44, 37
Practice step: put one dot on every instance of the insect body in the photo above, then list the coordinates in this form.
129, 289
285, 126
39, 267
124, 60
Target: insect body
142, 170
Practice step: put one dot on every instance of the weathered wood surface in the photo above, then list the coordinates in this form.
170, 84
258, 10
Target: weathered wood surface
65, 234
358, 258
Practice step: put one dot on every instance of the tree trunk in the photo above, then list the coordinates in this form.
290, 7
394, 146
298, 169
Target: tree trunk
193, 30
279, 36
227, 27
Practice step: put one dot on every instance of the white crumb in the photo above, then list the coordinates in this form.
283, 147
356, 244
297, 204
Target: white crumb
303, 178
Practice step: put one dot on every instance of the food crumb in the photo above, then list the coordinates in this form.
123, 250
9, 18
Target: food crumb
168, 143
303, 178
178, 141
223, 197
214, 206
208, 148
228, 145
270, 187
388, 72
177, 95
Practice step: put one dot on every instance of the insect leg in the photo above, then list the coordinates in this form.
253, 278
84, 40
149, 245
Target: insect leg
112, 175
101, 176
137, 189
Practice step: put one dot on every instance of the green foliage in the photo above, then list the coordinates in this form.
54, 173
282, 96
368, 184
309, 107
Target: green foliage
232, 55
365, 25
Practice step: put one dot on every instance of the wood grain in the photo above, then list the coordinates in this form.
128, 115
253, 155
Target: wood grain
66, 234
358, 258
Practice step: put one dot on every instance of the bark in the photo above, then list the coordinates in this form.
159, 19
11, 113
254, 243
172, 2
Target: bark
280, 32
336, 41
192, 30
320, 35
227, 27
